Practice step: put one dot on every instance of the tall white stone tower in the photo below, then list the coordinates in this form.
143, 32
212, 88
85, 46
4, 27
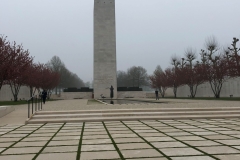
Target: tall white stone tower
105, 69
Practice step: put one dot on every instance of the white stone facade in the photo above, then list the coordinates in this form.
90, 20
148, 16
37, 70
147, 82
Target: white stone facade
131, 94
6, 93
230, 87
105, 70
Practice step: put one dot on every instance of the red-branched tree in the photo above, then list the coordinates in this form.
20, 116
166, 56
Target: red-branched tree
193, 72
174, 78
160, 81
216, 66
33, 78
49, 80
5, 59
17, 68
174, 75
233, 58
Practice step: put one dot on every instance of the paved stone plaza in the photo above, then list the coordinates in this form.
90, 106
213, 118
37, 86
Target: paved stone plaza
198, 139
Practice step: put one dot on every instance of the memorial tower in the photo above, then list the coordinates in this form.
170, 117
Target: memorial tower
105, 68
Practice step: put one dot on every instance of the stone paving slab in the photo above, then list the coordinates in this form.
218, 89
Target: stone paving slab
145, 140
218, 149
98, 147
127, 140
97, 141
57, 156
180, 151
202, 143
125, 146
64, 143
17, 157
2, 139
141, 153
36, 139
4, 145
60, 149
30, 144
99, 155
229, 157
23, 150
193, 158
168, 144
159, 158
59, 138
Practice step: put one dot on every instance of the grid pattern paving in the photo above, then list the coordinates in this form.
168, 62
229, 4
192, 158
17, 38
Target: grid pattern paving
199, 139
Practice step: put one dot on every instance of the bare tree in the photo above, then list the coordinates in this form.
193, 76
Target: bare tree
56, 65
122, 79
159, 80
175, 76
233, 57
193, 72
217, 69
138, 76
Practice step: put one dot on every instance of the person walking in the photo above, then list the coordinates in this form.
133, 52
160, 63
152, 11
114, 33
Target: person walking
156, 93
44, 96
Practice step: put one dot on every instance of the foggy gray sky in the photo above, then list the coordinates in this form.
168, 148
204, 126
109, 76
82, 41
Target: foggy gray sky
148, 32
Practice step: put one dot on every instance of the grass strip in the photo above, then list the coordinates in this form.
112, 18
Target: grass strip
179, 140
21, 138
147, 142
47, 143
114, 144
80, 143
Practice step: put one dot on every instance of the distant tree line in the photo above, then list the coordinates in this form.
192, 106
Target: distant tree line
17, 69
67, 78
133, 77
216, 66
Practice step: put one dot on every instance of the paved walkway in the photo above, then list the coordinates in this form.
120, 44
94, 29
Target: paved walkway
202, 139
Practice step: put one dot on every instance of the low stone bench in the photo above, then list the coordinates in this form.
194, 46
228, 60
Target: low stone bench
4, 110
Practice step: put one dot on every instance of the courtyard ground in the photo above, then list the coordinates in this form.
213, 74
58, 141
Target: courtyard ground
198, 139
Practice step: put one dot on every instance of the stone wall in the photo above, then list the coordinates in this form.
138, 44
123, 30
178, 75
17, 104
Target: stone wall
131, 94
88, 95
6, 93
231, 87
73, 95
168, 93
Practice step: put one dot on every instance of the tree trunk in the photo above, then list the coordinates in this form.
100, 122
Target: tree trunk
175, 91
31, 91
15, 97
163, 91
15, 90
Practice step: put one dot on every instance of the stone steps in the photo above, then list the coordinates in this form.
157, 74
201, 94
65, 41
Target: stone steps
127, 118
133, 114
57, 116
138, 110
